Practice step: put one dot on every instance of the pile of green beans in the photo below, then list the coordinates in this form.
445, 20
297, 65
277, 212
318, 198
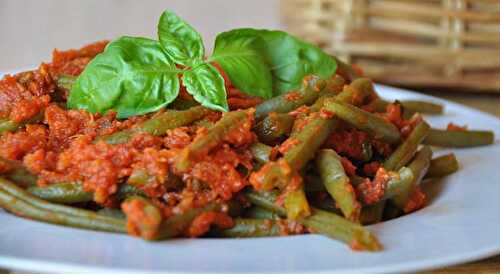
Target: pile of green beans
296, 185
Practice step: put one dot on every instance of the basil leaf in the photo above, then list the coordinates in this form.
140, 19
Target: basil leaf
290, 58
206, 85
240, 58
133, 76
182, 43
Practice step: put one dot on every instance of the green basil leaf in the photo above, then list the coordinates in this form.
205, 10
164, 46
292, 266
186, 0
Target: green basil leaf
181, 41
133, 76
291, 59
206, 85
240, 58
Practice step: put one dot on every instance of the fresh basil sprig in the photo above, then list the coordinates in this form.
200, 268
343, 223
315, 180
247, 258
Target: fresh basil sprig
184, 45
137, 75
289, 58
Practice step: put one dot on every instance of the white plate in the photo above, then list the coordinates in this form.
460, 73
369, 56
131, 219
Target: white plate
460, 224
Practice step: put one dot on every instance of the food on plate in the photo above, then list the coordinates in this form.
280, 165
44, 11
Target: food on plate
268, 136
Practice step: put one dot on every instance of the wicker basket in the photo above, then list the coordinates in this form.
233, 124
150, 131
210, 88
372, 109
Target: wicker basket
417, 43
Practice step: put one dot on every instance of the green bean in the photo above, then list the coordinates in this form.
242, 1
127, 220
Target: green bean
177, 224
307, 94
336, 227
414, 106
18, 173
65, 193
296, 204
403, 154
396, 183
62, 193
158, 125
257, 212
468, 138
418, 166
265, 200
21, 203
357, 92
260, 152
308, 140
354, 94
346, 70
374, 125
215, 135
273, 127
410, 107
141, 177
337, 183
322, 222
112, 212
442, 166
7, 125
246, 228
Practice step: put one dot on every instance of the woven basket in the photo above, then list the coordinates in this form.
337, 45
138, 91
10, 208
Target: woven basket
418, 43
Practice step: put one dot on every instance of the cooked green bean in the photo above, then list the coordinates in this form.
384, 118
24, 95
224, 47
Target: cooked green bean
322, 222
112, 212
141, 177
418, 166
442, 166
410, 107
414, 106
177, 224
273, 127
7, 125
403, 154
467, 138
337, 183
18, 173
62, 193
65, 193
257, 212
396, 183
336, 227
247, 228
306, 95
374, 125
346, 70
308, 140
19, 202
260, 152
215, 135
158, 125
296, 204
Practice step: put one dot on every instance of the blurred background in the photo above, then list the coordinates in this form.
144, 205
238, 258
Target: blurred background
31, 29
434, 46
